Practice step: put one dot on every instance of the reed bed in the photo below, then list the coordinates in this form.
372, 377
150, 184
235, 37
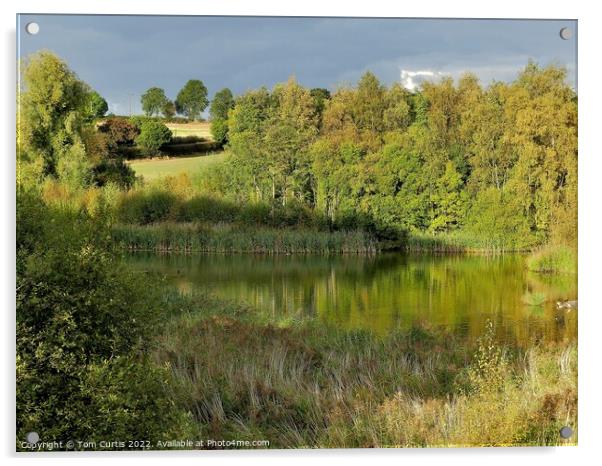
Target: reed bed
554, 259
458, 242
229, 238
302, 384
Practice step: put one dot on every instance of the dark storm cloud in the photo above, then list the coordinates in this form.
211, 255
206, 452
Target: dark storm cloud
121, 56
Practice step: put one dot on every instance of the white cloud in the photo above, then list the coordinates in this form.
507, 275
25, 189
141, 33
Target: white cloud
114, 107
412, 79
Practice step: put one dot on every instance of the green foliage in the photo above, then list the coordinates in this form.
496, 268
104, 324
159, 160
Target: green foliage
447, 158
192, 99
169, 110
219, 130
114, 171
321, 97
147, 207
488, 371
153, 135
222, 103
153, 101
184, 237
172, 199
82, 319
497, 217
128, 399
97, 106
554, 259
496, 165
52, 104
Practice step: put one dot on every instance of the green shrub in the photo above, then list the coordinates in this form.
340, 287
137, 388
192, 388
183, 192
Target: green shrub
207, 209
144, 207
554, 259
153, 135
82, 322
114, 171
219, 130
496, 219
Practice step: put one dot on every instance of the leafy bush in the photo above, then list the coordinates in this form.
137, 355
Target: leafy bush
207, 209
219, 130
496, 218
554, 259
153, 135
82, 320
114, 171
175, 150
119, 132
144, 207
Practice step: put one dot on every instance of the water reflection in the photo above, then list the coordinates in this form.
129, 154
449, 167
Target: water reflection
387, 291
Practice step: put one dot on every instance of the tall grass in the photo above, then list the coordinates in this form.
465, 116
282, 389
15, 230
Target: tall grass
304, 384
461, 241
554, 259
227, 238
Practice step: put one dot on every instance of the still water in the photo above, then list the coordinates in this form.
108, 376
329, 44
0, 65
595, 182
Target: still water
388, 291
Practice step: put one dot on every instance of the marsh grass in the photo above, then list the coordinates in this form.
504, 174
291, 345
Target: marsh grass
304, 384
456, 242
222, 238
554, 259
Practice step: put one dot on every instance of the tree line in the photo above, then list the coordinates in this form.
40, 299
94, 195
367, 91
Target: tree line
191, 101
498, 162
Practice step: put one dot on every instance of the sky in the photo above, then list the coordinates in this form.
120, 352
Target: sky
122, 56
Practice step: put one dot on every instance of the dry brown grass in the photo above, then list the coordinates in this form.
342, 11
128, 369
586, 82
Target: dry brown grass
301, 385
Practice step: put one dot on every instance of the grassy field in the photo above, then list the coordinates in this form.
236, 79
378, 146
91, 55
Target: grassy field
157, 168
200, 129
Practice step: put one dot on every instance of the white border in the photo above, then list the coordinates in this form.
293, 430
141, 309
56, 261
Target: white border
590, 172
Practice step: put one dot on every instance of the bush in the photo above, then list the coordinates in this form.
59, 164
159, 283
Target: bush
139, 120
119, 132
495, 218
114, 171
82, 319
219, 130
554, 259
153, 135
189, 148
207, 209
144, 207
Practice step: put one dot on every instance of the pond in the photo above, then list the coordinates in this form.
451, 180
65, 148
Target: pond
387, 291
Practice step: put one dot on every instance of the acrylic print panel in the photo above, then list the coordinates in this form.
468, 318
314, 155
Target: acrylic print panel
271, 232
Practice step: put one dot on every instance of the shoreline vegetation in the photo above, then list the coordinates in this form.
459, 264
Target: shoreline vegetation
244, 375
554, 259
188, 238
191, 237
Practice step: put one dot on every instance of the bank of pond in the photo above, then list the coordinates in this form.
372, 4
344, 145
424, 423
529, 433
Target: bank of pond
384, 292
379, 350
224, 237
